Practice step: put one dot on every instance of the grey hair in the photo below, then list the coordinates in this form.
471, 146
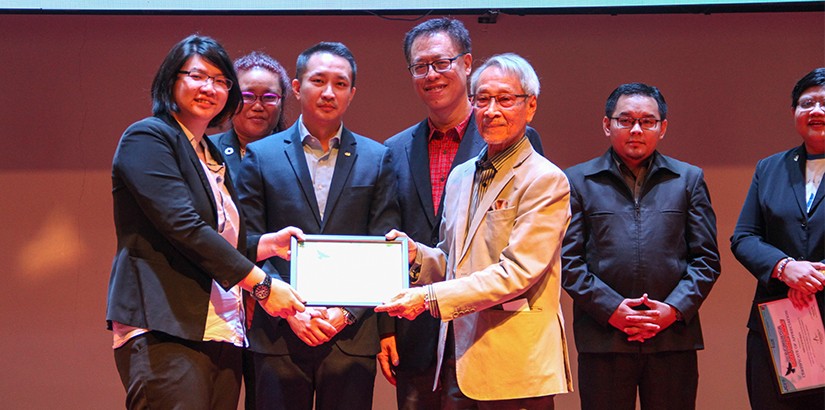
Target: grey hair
512, 64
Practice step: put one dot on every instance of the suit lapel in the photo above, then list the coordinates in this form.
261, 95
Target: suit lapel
229, 149
471, 144
189, 151
216, 153
343, 166
295, 155
462, 205
796, 165
419, 159
798, 182
820, 193
500, 180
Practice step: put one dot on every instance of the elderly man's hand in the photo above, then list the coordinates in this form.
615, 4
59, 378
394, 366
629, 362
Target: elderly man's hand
407, 304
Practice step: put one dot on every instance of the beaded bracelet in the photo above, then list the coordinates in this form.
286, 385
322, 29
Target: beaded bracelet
782, 264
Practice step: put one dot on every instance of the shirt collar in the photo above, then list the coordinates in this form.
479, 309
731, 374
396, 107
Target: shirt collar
499, 159
199, 142
191, 137
624, 169
314, 142
456, 136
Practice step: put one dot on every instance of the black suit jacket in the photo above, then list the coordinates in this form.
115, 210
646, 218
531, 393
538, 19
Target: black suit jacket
773, 225
228, 144
168, 251
276, 191
664, 245
416, 340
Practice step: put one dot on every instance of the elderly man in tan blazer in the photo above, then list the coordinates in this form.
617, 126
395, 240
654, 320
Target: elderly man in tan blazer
494, 278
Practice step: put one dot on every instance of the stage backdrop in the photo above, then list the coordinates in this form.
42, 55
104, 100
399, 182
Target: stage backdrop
70, 84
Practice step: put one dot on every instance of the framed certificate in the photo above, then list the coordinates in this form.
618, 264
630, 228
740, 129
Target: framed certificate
796, 339
339, 270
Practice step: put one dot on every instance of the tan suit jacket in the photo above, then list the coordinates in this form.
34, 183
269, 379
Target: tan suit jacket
511, 251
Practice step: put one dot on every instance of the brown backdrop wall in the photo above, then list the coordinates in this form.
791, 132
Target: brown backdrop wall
72, 83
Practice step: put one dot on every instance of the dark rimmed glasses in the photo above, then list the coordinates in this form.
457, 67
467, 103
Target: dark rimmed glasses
502, 100
201, 78
646, 123
266, 98
440, 66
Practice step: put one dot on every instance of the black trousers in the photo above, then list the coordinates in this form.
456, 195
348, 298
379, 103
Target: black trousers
763, 390
248, 380
665, 381
414, 389
160, 371
334, 379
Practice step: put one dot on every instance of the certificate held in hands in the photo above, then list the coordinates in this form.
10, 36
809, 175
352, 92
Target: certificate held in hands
342, 270
796, 339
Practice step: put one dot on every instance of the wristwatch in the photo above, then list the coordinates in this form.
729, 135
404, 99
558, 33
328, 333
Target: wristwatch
261, 290
349, 317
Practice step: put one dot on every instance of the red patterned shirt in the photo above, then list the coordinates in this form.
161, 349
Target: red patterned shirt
442, 149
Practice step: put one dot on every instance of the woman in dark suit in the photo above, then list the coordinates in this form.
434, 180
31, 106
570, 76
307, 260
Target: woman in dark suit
175, 302
779, 237
263, 82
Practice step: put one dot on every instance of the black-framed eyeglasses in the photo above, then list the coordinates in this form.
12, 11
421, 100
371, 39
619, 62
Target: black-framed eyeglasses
502, 100
202, 78
440, 66
646, 123
266, 98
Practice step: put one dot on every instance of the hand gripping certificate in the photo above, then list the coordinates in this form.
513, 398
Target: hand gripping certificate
797, 343
340, 270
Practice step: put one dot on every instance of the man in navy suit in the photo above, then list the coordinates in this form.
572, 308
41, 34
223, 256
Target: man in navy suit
439, 58
321, 177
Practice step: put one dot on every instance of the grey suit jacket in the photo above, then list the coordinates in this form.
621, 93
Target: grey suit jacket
510, 250
416, 340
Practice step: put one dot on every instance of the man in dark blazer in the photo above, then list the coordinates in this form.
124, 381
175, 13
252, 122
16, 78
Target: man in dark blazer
319, 176
438, 54
639, 258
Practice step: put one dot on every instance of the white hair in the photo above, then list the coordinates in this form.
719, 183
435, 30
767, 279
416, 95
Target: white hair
512, 64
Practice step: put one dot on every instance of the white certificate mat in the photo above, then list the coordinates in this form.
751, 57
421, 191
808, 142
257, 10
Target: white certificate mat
339, 270
796, 339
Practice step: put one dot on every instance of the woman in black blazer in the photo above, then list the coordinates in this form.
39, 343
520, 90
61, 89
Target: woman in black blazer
175, 303
779, 238
264, 85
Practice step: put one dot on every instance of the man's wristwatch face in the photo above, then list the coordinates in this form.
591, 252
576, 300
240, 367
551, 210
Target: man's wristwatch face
348, 317
261, 290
